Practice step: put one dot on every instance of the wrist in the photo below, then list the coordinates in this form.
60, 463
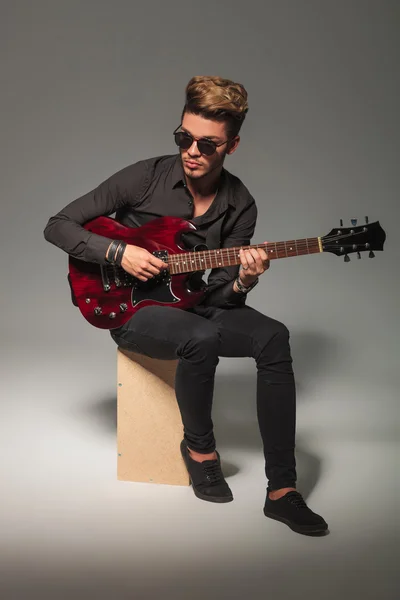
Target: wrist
239, 287
247, 280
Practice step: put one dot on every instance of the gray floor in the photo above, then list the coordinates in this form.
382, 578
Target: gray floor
70, 529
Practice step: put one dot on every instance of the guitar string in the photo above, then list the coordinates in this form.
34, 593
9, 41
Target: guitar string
226, 253
279, 247
301, 244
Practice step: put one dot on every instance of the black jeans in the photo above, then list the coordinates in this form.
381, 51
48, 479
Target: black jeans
197, 338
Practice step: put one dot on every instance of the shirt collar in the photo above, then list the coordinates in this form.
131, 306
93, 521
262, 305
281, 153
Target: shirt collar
178, 176
225, 191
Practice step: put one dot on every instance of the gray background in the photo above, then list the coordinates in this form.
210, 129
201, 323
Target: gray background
89, 87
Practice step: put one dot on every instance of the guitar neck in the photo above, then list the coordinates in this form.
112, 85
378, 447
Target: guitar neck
188, 262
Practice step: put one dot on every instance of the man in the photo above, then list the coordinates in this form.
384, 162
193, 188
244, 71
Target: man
194, 185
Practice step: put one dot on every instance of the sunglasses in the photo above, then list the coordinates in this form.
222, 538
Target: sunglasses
185, 141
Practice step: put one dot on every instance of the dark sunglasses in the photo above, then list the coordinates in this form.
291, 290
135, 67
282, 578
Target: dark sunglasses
185, 140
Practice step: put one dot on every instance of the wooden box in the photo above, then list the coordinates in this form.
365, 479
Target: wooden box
149, 424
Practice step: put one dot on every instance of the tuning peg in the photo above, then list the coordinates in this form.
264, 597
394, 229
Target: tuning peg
366, 220
371, 254
347, 258
354, 222
341, 222
358, 255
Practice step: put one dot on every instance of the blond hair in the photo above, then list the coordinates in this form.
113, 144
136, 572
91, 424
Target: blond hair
218, 99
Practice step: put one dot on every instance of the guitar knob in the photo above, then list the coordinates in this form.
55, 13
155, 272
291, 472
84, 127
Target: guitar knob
347, 258
123, 307
97, 310
112, 315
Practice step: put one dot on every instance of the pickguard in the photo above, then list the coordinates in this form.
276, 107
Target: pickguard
154, 289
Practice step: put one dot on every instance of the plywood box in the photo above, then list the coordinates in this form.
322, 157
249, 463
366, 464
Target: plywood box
149, 424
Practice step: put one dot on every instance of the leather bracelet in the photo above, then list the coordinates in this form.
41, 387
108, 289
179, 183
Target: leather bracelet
116, 251
119, 254
242, 288
110, 255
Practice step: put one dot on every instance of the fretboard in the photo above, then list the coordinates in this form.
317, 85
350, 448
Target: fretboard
225, 257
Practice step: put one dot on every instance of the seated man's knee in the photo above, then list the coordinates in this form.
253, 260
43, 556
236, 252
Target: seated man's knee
202, 341
273, 331
272, 341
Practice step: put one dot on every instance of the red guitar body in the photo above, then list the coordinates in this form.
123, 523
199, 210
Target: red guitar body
108, 296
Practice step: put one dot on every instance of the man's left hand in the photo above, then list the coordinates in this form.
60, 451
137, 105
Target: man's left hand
253, 262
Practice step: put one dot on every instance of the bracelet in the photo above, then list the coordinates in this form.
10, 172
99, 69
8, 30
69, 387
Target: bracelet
242, 288
110, 254
113, 251
119, 253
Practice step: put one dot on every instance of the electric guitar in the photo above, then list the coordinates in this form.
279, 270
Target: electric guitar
108, 296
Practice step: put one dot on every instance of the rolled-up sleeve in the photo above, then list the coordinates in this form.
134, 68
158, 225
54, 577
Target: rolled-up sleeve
220, 291
65, 229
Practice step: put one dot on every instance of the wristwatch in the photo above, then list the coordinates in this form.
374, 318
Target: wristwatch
244, 289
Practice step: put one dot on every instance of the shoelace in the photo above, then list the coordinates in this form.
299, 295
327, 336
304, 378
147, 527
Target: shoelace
296, 499
213, 472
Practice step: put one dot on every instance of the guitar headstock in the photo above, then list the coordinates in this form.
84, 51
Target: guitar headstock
346, 240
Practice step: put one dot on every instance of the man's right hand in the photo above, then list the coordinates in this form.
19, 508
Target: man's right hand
140, 263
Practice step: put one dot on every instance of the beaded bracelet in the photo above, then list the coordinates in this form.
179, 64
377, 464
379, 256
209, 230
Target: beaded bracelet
242, 288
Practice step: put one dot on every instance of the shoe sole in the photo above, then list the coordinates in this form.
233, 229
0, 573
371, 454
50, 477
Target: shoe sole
217, 499
306, 529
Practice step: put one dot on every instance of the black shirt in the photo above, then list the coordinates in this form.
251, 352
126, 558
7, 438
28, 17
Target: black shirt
153, 188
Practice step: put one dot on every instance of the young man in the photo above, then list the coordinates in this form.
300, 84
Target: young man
194, 185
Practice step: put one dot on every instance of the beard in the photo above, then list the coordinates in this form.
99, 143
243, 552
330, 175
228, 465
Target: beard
204, 170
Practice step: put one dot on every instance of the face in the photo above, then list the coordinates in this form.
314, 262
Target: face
195, 164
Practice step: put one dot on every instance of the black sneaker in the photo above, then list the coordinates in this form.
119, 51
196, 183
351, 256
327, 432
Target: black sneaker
292, 510
206, 477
